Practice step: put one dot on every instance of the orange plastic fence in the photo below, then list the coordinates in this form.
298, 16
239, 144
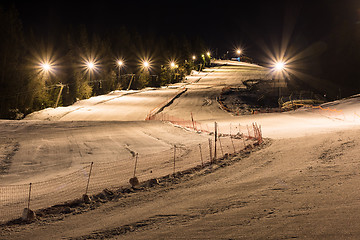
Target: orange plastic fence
254, 132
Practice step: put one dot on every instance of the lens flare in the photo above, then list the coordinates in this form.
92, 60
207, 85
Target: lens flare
279, 66
44, 62
46, 67
90, 64
145, 64
120, 62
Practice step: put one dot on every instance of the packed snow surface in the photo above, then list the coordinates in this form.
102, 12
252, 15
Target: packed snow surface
306, 178
105, 127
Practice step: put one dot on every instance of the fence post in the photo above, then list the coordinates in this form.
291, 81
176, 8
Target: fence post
232, 142
87, 185
136, 160
256, 132
201, 157
210, 150
28, 206
215, 135
174, 157
134, 181
192, 120
260, 132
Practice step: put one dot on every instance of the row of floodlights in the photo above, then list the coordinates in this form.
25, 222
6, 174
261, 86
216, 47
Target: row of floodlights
91, 65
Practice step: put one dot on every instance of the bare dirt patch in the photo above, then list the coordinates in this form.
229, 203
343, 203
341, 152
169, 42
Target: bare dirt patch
263, 96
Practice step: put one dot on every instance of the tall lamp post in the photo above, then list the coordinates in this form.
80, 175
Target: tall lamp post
90, 66
279, 68
47, 68
238, 51
173, 67
120, 63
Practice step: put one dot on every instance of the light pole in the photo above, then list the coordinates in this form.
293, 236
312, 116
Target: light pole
279, 68
120, 63
173, 67
208, 54
238, 51
45, 68
90, 66
203, 58
146, 65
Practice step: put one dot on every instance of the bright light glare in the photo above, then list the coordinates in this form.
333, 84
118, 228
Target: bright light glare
90, 65
208, 53
193, 57
145, 63
279, 66
120, 63
46, 67
172, 64
45, 62
238, 51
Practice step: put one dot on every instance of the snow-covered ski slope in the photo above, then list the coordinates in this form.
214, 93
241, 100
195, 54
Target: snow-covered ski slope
55, 141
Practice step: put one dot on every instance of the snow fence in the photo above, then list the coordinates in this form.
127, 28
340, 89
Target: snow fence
94, 177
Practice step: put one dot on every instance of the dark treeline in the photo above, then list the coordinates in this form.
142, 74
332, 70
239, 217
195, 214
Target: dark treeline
26, 87
324, 35
334, 55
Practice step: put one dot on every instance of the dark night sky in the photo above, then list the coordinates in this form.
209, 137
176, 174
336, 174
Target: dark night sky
223, 24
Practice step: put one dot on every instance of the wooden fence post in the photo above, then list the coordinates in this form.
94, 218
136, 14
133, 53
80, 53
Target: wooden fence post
215, 136
210, 150
174, 157
87, 185
202, 162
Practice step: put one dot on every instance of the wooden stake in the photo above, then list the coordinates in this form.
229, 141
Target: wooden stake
202, 162
232, 142
210, 150
192, 120
174, 157
87, 185
215, 136
29, 198
136, 160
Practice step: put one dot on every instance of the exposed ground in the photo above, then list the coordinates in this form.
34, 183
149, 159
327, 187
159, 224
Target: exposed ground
304, 183
262, 96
